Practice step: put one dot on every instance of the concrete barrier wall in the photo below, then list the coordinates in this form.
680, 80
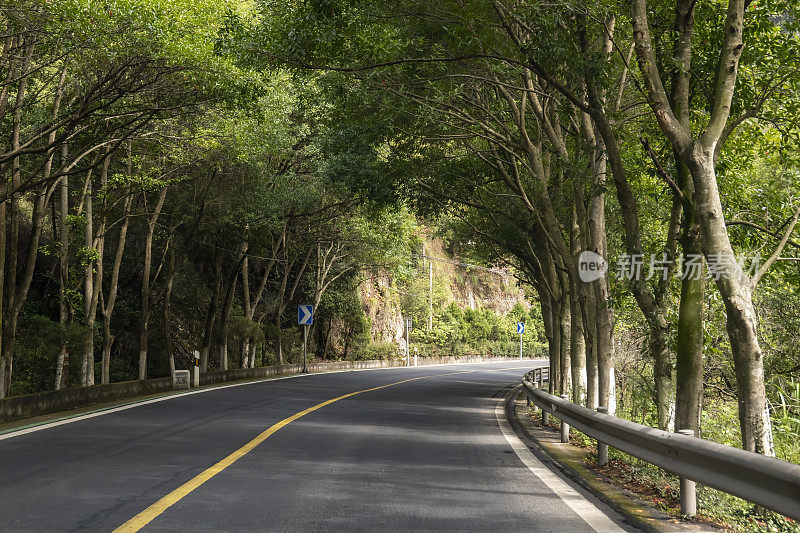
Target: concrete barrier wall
221, 376
20, 407
277, 370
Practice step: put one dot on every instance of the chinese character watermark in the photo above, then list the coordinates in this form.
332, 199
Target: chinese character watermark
592, 266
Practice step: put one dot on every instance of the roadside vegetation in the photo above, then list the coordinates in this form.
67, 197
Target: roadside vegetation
661, 136
179, 174
159, 196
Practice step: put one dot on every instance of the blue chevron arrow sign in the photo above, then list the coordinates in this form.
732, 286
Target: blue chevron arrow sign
305, 315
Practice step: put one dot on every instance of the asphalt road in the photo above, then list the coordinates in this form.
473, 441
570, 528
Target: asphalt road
425, 454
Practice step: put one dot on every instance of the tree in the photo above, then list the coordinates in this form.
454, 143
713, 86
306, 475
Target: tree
699, 154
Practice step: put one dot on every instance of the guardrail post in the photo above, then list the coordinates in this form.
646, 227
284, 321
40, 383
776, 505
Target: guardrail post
765, 481
537, 384
602, 447
688, 491
540, 381
564, 425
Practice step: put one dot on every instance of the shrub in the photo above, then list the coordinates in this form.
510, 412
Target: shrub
374, 350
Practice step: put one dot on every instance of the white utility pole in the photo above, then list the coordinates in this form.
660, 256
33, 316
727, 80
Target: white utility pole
430, 295
407, 322
196, 369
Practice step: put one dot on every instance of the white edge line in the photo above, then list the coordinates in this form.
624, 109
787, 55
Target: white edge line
78, 418
589, 512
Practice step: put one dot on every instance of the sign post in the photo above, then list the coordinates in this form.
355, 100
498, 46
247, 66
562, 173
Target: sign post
520, 330
305, 318
407, 321
305, 348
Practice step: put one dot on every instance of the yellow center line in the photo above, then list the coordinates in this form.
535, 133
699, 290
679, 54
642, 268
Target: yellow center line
148, 515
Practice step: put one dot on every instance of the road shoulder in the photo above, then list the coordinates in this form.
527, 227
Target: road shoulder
572, 461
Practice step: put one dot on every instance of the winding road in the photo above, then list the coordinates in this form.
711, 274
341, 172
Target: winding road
424, 449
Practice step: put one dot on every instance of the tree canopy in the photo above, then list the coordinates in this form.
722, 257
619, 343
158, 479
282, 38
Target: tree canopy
199, 167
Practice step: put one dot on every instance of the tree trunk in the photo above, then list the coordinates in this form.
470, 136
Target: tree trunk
248, 311
87, 360
590, 331
145, 291
599, 314
211, 316
10, 285
227, 307
603, 312
63, 235
566, 349
87, 363
251, 305
327, 345
736, 290
605, 343
689, 360
278, 340
143, 334
662, 371
660, 329
577, 341
555, 348
285, 298
107, 306
167, 320
577, 353
555, 319
16, 291
689, 357
3, 189
545, 301
245, 351
223, 352
7, 44
9, 340
252, 350
107, 309
62, 362
108, 341
93, 283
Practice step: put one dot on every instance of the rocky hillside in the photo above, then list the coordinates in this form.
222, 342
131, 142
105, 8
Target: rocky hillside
438, 276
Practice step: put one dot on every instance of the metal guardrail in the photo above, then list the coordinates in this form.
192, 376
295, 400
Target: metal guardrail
540, 375
766, 481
